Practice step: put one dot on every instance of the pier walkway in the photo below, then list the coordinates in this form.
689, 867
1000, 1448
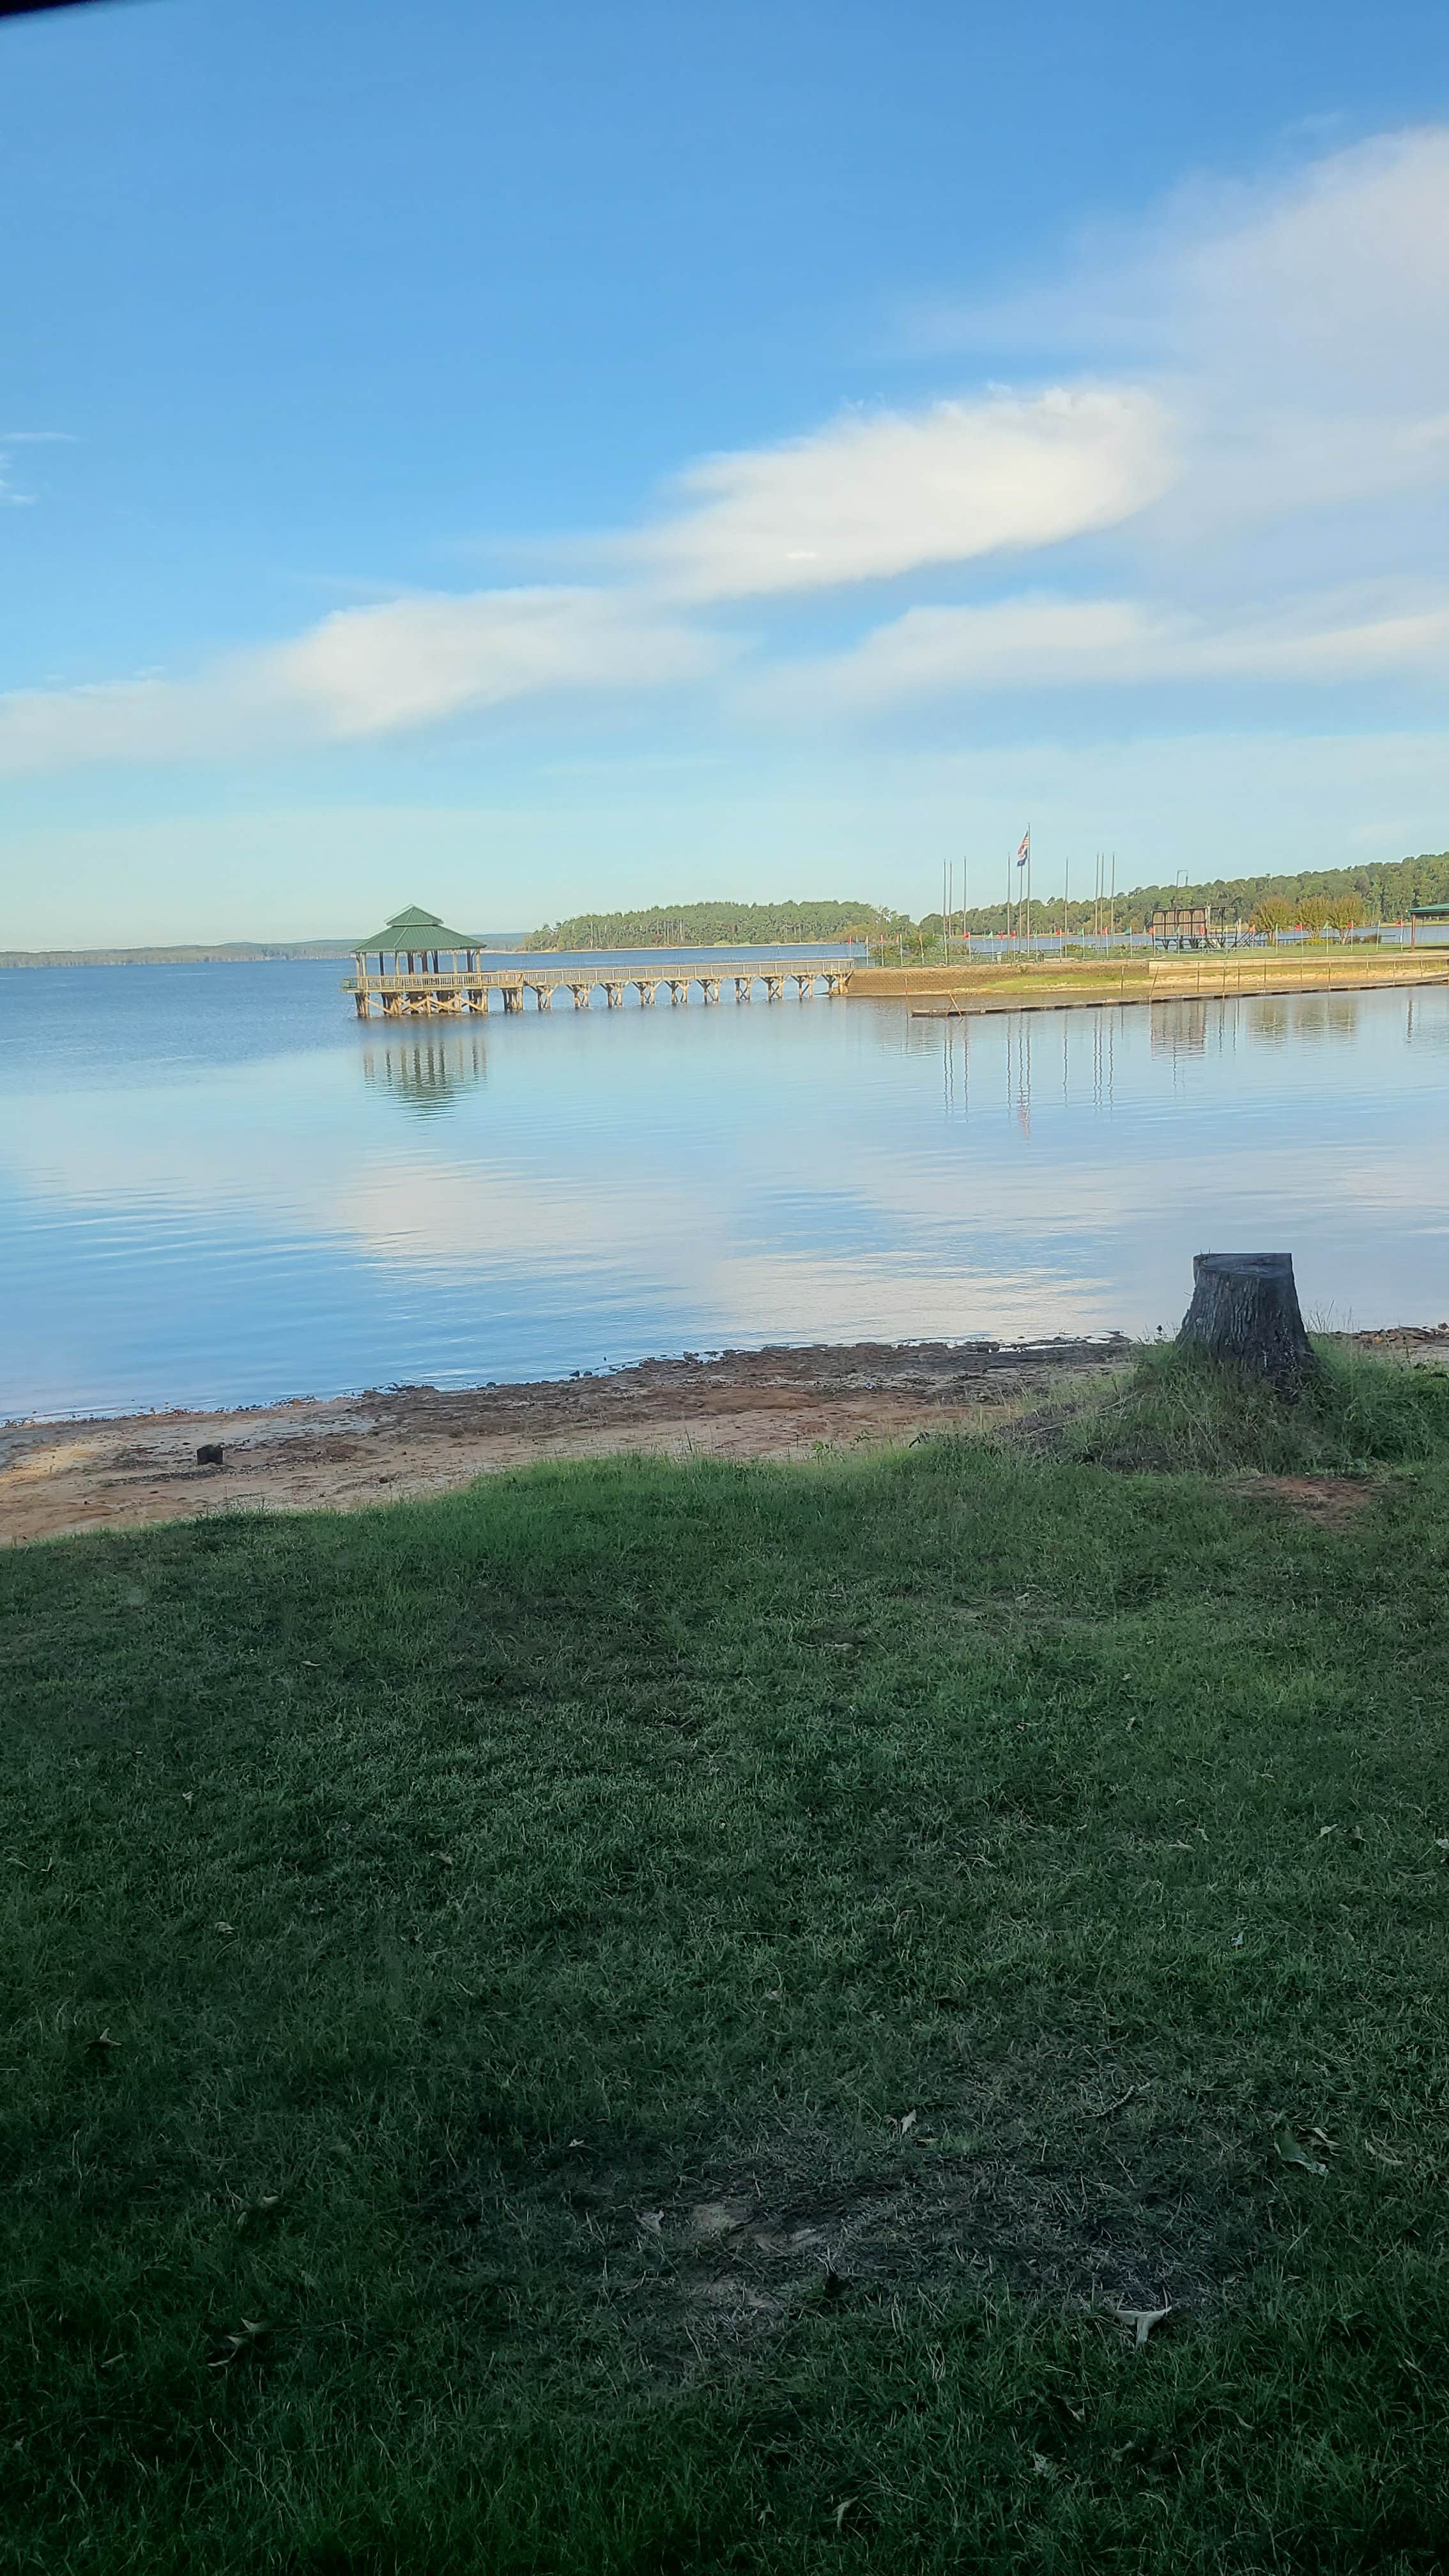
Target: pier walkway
408, 991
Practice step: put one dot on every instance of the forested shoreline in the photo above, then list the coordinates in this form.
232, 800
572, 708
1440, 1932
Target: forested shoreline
1318, 898
1314, 898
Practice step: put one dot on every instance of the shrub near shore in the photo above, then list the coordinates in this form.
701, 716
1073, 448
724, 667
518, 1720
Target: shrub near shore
660, 2017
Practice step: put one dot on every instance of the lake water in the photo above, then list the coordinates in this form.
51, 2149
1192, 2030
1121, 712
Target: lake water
219, 1187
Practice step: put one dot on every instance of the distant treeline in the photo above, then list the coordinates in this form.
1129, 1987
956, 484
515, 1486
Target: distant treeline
232, 952
1368, 894
716, 925
1313, 895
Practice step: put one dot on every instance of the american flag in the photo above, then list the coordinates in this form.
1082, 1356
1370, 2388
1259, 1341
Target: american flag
1024, 852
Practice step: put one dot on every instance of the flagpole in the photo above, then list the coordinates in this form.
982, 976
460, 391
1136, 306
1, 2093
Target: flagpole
1028, 894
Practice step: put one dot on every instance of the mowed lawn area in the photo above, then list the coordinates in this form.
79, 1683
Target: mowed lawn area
651, 2017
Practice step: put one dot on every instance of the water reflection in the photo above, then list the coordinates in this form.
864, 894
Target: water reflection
1076, 1050
595, 1187
427, 1075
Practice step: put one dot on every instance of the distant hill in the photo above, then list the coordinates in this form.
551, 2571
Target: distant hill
230, 952
717, 925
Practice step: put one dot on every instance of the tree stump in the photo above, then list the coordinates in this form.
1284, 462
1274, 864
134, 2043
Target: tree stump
1245, 1313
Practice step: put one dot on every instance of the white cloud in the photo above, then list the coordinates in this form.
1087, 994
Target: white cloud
413, 661
1264, 463
1295, 332
11, 497
1042, 642
872, 495
361, 672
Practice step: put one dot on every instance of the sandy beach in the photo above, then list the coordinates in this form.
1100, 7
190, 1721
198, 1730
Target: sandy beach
344, 1452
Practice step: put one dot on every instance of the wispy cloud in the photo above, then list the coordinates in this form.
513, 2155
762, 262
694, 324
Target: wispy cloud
10, 494
872, 495
1235, 483
365, 671
1295, 331
1054, 643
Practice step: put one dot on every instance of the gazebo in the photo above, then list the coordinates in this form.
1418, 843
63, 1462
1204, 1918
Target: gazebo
415, 941
421, 966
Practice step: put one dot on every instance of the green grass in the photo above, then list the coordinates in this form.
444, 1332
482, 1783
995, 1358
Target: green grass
470, 1967
1178, 1411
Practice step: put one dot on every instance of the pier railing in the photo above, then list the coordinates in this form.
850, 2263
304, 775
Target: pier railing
419, 994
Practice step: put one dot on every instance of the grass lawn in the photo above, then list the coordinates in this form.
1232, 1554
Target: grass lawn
649, 2018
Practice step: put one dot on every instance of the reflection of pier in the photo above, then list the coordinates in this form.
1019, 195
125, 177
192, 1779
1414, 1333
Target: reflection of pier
427, 1074
422, 969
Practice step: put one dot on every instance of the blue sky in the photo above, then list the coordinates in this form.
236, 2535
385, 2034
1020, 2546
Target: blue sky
527, 458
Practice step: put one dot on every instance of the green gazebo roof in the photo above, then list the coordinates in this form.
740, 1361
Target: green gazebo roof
415, 928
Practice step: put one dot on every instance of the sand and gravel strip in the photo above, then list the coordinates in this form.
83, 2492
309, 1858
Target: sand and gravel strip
343, 1452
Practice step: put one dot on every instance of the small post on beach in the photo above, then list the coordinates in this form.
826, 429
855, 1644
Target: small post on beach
1245, 1314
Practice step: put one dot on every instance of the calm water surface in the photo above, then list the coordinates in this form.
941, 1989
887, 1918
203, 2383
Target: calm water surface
218, 1186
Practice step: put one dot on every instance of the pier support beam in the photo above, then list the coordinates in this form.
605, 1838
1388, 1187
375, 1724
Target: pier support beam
805, 987
646, 988
614, 996
774, 988
513, 997
744, 988
678, 988
542, 996
710, 984
583, 994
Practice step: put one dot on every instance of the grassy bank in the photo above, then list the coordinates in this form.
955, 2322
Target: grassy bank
1022, 982
649, 2018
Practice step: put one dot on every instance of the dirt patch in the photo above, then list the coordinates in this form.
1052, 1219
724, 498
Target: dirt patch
1330, 1501
57, 1478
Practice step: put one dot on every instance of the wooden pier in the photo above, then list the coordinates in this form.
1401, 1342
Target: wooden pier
423, 969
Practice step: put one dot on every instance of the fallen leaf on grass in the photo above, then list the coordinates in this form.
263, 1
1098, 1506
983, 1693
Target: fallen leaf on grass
651, 2220
248, 2333
102, 2039
1237, 1940
1382, 2153
1293, 2154
1142, 2321
906, 2123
